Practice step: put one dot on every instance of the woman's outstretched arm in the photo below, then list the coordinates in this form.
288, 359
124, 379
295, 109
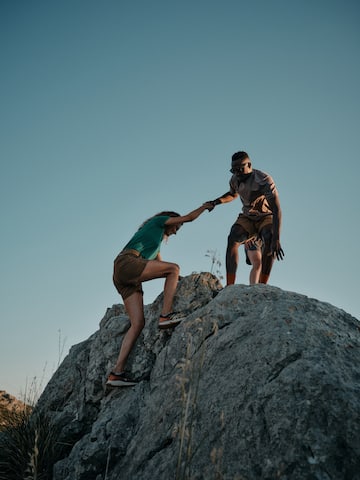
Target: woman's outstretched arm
190, 216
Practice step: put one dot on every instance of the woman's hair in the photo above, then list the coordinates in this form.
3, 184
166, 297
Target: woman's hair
162, 214
167, 214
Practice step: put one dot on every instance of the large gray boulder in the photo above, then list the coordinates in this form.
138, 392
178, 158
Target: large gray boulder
256, 383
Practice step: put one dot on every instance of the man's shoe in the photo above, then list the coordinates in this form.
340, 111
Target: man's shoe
120, 380
170, 320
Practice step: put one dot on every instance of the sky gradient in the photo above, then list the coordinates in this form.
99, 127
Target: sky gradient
113, 111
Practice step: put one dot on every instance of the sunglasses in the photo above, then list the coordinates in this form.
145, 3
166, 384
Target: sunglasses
240, 169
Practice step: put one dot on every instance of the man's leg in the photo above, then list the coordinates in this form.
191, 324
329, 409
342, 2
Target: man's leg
237, 235
255, 260
267, 258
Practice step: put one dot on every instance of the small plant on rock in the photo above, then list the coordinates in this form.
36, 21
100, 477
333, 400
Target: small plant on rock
215, 263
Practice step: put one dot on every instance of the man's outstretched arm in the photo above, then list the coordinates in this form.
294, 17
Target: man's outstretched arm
225, 198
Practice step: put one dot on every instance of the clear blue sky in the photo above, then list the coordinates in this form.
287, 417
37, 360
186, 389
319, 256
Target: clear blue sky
112, 111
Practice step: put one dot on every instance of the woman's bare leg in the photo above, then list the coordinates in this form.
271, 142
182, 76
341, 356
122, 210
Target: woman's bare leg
158, 269
135, 309
134, 304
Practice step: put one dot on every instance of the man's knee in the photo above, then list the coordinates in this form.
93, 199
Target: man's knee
237, 235
266, 236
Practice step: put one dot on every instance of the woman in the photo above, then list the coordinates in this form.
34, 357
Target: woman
139, 262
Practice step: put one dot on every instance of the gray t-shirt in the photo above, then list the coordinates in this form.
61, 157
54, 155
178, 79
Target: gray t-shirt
256, 193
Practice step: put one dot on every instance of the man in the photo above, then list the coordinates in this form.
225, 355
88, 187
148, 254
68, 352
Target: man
260, 217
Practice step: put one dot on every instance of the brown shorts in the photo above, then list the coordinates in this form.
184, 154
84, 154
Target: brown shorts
128, 266
253, 225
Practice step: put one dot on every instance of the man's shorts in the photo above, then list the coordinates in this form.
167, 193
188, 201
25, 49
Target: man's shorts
256, 244
128, 266
253, 224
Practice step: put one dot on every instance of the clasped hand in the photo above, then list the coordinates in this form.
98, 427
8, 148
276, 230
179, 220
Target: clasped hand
211, 205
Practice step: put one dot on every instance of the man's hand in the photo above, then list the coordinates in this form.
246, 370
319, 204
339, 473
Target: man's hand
276, 250
213, 204
209, 206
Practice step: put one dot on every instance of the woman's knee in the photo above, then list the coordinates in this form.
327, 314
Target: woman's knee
174, 269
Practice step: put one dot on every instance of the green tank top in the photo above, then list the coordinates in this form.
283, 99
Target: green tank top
147, 240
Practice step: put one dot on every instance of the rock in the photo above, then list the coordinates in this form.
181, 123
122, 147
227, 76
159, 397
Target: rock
255, 383
10, 407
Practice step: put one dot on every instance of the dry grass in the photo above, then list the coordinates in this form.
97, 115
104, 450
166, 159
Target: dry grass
28, 445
